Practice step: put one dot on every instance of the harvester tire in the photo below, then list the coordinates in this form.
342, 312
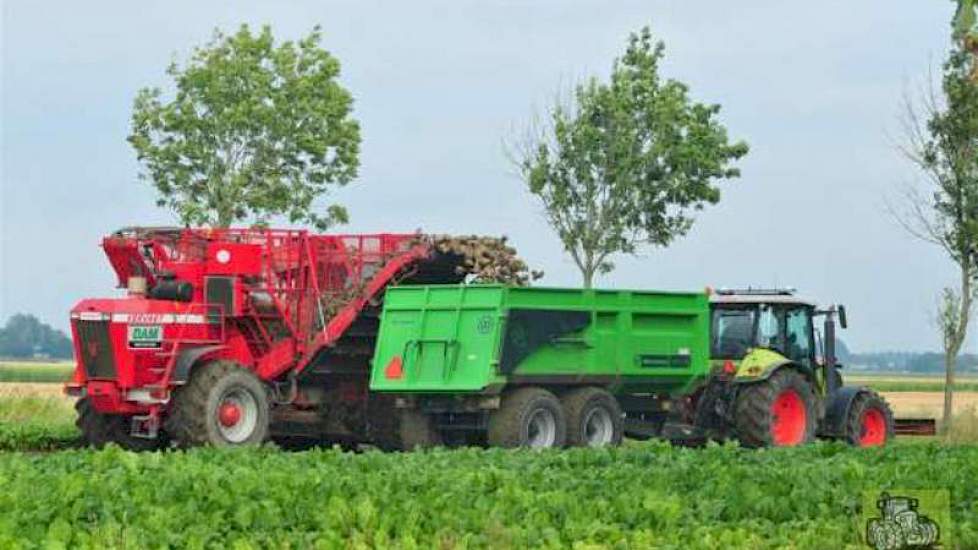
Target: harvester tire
417, 431
528, 417
870, 421
222, 405
594, 418
776, 412
98, 430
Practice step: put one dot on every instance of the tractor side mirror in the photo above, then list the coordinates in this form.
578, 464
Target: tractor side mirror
843, 322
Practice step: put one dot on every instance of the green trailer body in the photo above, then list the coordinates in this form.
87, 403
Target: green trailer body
472, 339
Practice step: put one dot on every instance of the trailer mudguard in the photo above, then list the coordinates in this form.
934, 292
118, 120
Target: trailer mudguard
837, 410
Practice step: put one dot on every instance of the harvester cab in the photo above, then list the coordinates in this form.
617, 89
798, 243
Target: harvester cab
766, 342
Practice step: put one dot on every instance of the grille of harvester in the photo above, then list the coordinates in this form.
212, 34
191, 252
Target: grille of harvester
96, 349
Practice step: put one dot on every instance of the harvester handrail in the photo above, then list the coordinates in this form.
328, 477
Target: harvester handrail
178, 340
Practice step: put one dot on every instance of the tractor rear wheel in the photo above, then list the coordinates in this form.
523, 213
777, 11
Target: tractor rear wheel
528, 417
870, 422
99, 429
594, 418
222, 405
776, 412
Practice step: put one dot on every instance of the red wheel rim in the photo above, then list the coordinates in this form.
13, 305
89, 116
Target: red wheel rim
228, 414
872, 431
788, 419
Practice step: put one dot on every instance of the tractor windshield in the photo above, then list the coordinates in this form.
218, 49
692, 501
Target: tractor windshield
785, 328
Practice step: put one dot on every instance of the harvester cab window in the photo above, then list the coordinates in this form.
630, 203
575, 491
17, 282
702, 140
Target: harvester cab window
733, 332
799, 335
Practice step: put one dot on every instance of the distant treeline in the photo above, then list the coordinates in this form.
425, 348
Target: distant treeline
25, 336
913, 362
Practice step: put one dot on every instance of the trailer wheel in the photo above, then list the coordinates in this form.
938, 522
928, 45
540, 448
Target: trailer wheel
778, 412
98, 430
528, 417
223, 404
870, 422
594, 418
417, 431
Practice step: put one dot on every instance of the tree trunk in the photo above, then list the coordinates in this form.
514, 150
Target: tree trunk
949, 364
588, 275
955, 343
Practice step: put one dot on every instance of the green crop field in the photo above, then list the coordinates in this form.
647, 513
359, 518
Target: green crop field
647, 495
28, 371
909, 383
642, 495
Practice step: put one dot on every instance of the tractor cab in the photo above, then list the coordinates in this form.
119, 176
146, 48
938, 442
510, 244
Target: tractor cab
777, 320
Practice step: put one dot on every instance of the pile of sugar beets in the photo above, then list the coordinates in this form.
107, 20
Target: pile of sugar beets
486, 259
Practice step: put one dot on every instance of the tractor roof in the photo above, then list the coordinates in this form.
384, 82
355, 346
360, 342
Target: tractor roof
758, 296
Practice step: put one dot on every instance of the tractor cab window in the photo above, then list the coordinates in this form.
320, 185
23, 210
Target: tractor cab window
769, 334
800, 347
733, 332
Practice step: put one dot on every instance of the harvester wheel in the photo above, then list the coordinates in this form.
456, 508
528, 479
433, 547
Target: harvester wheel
777, 412
870, 422
223, 404
528, 417
594, 418
417, 431
99, 429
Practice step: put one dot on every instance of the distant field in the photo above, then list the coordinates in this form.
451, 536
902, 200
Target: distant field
911, 383
29, 371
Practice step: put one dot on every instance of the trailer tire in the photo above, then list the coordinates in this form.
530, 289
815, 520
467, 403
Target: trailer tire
528, 417
417, 431
222, 405
594, 418
98, 430
776, 412
870, 421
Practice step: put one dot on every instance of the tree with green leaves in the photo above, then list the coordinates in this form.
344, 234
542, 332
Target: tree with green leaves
942, 141
253, 129
625, 163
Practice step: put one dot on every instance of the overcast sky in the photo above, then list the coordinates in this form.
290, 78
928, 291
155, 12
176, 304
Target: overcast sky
815, 88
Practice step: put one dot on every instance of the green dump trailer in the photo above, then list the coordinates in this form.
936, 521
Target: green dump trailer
545, 367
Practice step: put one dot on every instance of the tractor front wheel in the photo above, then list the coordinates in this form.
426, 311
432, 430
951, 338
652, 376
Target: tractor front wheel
222, 405
870, 422
776, 412
99, 429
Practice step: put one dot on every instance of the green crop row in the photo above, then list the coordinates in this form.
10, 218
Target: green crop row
647, 495
35, 372
38, 437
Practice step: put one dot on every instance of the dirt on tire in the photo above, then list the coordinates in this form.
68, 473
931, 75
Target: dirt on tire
753, 416
578, 403
508, 425
192, 421
865, 401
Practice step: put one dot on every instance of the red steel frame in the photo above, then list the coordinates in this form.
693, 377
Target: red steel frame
295, 271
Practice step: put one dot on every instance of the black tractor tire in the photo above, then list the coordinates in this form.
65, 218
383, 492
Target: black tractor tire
870, 420
594, 418
417, 431
757, 424
195, 417
528, 417
98, 430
